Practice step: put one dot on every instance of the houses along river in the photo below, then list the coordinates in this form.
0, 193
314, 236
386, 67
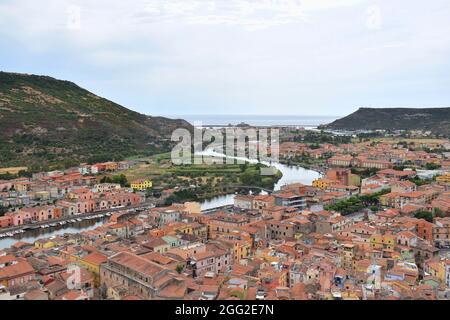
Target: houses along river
291, 174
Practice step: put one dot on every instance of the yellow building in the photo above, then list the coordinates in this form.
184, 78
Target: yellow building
322, 184
111, 166
21, 186
13, 170
92, 263
347, 256
242, 250
444, 178
435, 268
380, 241
179, 228
141, 185
44, 244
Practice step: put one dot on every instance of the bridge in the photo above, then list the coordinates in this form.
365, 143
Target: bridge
269, 191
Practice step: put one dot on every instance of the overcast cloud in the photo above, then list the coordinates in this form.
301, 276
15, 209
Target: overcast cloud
176, 57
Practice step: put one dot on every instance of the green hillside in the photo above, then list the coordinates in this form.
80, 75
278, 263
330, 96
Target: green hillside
47, 123
436, 120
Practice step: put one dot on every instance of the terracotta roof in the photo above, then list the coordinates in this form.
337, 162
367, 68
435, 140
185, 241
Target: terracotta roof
137, 263
22, 267
95, 258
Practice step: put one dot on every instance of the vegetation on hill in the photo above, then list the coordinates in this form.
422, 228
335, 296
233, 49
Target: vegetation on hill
47, 124
436, 120
358, 203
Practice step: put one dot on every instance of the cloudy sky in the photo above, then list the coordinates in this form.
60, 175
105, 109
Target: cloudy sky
292, 57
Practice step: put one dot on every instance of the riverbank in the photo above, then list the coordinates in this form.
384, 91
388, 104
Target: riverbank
290, 174
15, 230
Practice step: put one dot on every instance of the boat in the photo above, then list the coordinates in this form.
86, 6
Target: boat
79, 220
10, 234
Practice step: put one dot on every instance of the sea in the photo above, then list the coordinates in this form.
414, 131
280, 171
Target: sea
259, 120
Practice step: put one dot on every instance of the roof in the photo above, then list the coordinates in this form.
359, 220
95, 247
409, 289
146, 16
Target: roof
22, 267
137, 263
95, 258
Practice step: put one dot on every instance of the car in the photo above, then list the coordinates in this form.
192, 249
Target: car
260, 295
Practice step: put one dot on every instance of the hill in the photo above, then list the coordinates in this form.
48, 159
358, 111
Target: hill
436, 120
48, 123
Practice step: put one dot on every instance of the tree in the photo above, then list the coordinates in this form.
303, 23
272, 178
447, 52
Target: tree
3, 210
426, 215
180, 268
432, 166
439, 213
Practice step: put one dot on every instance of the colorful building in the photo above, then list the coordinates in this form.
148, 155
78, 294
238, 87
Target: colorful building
141, 184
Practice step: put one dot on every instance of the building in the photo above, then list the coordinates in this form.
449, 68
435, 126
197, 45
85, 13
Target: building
290, 199
141, 184
403, 186
167, 215
399, 200
214, 259
15, 272
243, 202
343, 176
322, 183
340, 161
6, 221
445, 178
441, 233
366, 163
263, 202
289, 228
142, 277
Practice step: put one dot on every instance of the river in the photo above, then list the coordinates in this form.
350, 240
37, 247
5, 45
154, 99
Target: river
31, 236
291, 174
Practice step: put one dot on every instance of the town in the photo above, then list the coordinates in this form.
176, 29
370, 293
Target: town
374, 225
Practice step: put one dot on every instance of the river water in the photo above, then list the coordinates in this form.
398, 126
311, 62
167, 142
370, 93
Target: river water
291, 174
31, 236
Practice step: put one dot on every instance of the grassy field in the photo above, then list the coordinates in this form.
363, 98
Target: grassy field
165, 174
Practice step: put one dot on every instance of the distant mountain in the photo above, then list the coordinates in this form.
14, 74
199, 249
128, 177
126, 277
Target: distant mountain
436, 120
49, 123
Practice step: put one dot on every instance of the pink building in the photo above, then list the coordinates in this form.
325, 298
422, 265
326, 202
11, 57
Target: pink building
29, 215
85, 206
6, 222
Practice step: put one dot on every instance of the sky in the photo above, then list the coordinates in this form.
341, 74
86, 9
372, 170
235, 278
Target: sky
271, 57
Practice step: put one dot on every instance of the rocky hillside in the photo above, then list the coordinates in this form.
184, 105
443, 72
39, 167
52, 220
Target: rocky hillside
436, 120
47, 123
